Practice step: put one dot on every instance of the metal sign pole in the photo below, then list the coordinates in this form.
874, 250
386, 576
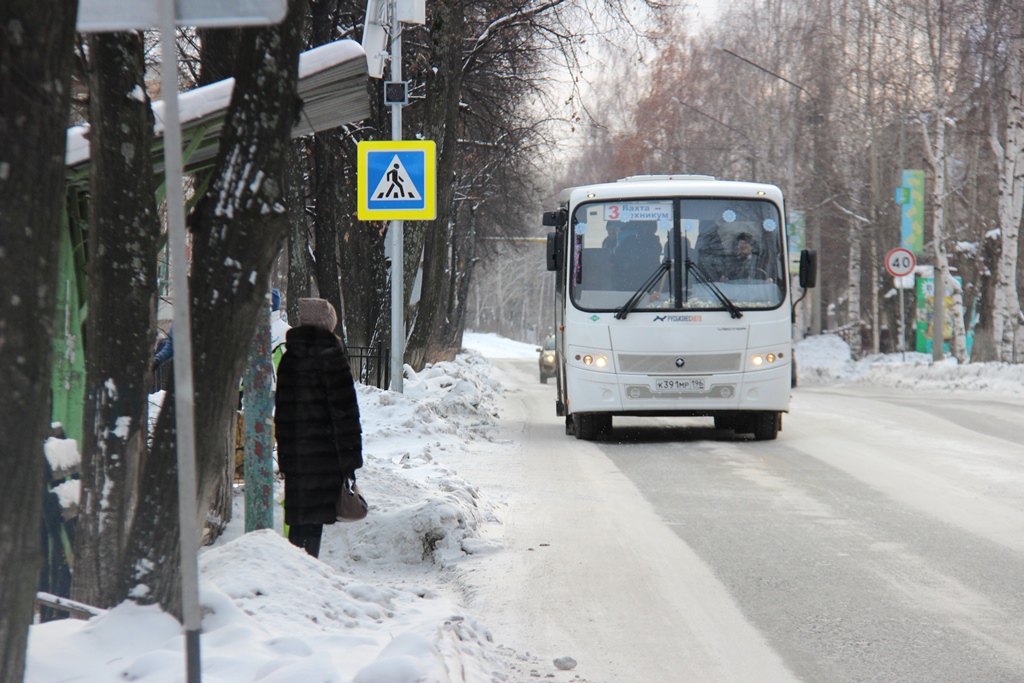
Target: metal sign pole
903, 324
184, 408
397, 226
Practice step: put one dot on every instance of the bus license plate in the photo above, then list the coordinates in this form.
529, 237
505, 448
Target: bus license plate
690, 384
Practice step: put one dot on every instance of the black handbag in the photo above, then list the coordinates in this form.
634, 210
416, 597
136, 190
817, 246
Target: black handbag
351, 506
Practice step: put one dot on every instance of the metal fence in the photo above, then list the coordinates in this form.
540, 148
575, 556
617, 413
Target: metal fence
371, 365
162, 376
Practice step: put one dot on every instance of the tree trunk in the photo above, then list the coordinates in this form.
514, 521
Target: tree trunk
937, 155
124, 228
327, 168
239, 227
820, 220
219, 51
364, 273
365, 276
984, 348
853, 293
1010, 156
300, 261
463, 255
36, 41
220, 46
444, 85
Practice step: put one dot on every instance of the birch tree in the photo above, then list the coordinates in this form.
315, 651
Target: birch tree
939, 50
1009, 154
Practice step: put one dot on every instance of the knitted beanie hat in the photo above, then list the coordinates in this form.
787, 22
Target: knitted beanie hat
319, 313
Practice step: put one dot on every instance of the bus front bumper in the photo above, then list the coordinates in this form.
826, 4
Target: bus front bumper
600, 392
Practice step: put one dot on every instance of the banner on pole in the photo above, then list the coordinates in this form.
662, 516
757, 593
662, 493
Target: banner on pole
796, 230
910, 197
926, 314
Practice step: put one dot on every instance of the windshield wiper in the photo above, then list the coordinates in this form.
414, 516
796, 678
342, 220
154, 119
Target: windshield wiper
702, 277
646, 287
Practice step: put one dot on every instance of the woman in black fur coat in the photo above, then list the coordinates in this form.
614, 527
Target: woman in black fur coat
316, 419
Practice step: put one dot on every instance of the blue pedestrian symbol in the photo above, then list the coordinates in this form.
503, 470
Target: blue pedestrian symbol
397, 179
396, 183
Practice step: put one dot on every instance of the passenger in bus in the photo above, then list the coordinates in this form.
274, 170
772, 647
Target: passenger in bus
710, 252
637, 254
612, 239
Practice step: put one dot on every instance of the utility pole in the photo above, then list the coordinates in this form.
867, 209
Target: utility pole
376, 30
397, 226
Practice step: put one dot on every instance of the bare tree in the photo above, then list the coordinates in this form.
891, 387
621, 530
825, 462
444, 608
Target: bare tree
123, 228
300, 259
241, 221
1009, 153
349, 268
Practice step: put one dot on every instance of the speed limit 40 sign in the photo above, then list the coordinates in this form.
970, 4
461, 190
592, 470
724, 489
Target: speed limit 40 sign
900, 262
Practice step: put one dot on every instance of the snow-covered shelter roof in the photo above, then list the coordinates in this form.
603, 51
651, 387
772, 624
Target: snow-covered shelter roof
332, 86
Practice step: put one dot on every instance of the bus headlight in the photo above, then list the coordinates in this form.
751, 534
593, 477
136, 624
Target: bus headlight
590, 360
757, 360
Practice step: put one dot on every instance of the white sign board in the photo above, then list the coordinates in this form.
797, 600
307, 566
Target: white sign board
98, 16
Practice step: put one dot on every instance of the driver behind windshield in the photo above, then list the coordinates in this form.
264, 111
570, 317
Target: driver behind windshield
742, 263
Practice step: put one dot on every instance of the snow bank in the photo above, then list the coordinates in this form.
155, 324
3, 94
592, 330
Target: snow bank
826, 359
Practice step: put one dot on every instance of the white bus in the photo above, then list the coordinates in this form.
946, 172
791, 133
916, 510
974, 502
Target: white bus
673, 299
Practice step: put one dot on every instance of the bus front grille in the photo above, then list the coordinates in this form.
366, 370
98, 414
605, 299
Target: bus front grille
679, 364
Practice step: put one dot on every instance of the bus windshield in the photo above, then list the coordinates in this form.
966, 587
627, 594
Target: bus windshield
703, 244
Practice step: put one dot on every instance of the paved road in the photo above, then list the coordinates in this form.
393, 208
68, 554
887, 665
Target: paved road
881, 538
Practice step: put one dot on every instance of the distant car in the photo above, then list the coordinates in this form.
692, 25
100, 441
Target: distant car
547, 359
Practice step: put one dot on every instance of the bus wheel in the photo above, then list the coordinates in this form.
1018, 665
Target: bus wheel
570, 425
587, 426
766, 425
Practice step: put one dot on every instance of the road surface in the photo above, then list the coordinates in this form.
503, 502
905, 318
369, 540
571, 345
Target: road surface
880, 538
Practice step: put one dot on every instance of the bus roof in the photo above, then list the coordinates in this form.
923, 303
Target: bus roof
651, 186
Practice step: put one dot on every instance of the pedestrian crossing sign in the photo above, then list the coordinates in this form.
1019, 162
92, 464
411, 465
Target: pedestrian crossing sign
396, 180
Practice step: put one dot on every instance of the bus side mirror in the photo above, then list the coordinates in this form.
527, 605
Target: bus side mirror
808, 268
554, 250
555, 219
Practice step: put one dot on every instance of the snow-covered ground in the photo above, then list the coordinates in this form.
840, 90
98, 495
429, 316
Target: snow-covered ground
382, 604
826, 360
